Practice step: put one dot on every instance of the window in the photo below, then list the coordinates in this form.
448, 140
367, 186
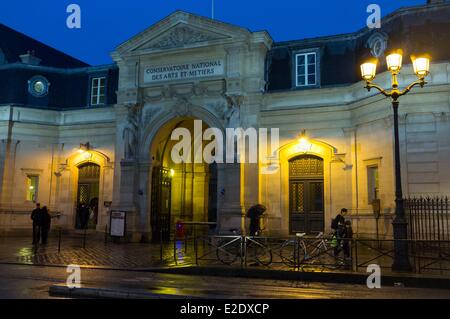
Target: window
306, 69
98, 91
32, 188
372, 183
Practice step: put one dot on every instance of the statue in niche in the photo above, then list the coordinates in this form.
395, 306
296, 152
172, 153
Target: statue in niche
130, 132
232, 117
232, 114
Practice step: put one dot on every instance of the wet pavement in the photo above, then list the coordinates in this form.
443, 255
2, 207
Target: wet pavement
91, 253
20, 281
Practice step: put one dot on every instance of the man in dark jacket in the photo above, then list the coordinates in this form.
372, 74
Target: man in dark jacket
45, 221
35, 217
338, 225
255, 213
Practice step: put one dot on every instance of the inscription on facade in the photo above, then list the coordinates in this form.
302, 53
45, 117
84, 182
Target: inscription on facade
184, 71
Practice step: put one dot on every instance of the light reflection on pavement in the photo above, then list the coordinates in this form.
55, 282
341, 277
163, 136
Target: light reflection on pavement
18, 281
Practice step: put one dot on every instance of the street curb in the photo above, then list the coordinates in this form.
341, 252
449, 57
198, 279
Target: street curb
92, 267
405, 280
106, 293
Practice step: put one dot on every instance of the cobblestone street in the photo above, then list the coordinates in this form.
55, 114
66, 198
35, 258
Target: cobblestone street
95, 254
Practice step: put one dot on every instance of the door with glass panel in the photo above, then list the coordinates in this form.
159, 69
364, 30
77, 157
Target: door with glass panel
306, 198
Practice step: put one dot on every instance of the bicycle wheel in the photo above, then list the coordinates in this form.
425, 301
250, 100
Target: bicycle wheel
262, 254
228, 250
293, 253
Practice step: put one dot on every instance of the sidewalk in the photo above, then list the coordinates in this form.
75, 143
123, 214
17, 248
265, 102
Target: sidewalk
147, 257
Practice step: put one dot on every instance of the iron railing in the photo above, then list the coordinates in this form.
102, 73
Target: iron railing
428, 218
311, 254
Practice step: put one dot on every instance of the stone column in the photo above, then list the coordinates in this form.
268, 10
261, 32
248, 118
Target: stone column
230, 210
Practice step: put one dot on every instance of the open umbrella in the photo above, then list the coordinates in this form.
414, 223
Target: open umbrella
256, 211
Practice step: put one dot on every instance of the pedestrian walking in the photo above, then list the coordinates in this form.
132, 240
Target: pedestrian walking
255, 213
35, 217
46, 220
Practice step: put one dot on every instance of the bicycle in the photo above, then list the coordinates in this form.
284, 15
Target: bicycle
237, 246
297, 251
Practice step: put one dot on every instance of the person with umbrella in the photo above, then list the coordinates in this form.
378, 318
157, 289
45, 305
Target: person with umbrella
254, 213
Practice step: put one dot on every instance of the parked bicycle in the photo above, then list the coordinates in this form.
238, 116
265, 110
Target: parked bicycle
300, 251
230, 248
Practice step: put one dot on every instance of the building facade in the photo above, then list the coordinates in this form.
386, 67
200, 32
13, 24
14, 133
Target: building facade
74, 134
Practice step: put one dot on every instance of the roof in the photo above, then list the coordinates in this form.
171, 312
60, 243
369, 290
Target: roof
13, 44
425, 8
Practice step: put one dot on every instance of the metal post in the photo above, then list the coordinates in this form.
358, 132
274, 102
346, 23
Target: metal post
401, 256
160, 245
84, 237
59, 240
196, 250
243, 251
106, 234
175, 250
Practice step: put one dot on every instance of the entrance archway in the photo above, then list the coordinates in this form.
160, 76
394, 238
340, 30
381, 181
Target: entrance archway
306, 194
184, 191
87, 196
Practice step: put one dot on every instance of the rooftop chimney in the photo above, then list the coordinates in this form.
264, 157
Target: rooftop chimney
29, 58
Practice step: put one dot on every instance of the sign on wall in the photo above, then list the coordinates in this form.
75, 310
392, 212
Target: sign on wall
117, 224
184, 71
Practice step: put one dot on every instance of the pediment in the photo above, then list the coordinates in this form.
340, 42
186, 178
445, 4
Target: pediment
181, 35
182, 30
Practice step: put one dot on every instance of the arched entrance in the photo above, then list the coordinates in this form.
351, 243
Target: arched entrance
184, 191
87, 196
306, 194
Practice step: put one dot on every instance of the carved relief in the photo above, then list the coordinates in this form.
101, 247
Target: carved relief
151, 113
218, 108
182, 106
181, 36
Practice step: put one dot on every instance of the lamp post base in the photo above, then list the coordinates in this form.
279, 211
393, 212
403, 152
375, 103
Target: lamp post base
401, 255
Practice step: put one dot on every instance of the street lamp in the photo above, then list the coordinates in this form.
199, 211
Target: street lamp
421, 67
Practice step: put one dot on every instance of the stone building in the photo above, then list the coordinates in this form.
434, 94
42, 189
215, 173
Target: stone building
73, 133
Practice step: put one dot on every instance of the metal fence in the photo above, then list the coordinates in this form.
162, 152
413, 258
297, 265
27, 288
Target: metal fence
428, 218
311, 254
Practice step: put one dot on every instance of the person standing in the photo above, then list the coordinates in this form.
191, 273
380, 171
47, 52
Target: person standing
348, 235
338, 225
46, 222
85, 212
35, 217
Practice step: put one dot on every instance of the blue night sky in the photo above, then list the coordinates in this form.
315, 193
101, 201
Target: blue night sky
107, 23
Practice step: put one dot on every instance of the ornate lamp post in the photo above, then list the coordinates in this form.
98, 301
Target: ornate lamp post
421, 69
